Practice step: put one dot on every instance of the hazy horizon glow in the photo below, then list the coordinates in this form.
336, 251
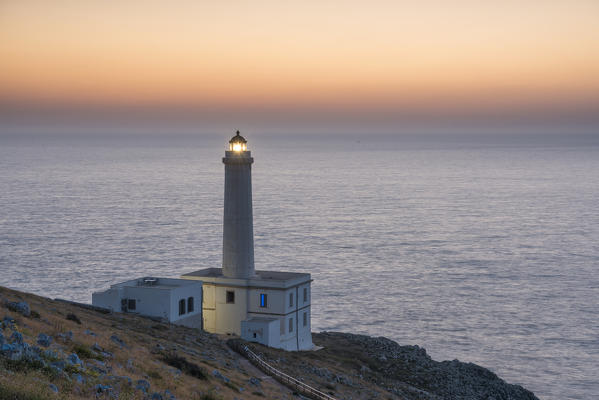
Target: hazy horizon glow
335, 61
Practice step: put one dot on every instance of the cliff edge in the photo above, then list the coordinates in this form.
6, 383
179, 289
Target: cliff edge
55, 350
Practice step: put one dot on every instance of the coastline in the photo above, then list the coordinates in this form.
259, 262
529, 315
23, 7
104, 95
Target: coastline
90, 353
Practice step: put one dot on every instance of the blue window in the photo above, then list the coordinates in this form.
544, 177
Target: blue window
263, 300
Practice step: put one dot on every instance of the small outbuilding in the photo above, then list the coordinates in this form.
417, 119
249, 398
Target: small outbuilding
178, 301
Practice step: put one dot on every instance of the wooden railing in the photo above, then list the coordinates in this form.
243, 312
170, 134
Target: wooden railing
290, 382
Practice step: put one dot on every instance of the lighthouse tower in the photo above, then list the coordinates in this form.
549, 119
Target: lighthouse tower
268, 307
238, 226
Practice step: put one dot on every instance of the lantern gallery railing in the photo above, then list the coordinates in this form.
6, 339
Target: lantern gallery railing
283, 378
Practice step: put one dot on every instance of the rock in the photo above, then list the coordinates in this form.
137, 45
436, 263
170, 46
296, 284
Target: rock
410, 373
78, 378
129, 365
97, 347
99, 388
59, 366
73, 359
121, 379
169, 395
118, 340
90, 333
99, 370
142, 385
32, 353
1, 338
44, 340
20, 307
66, 336
16, 337
50, 355
53, 387
8, 322
156, 396
12, 351
254, 381
220, 376
97, 363
103, 353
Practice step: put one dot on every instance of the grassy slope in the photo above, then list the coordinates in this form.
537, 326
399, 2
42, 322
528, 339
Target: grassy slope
141, 336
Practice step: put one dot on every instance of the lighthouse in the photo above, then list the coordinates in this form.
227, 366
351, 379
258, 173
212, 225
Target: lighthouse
264, 306
238, 226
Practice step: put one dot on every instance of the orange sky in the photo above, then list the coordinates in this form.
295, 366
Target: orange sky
430, 58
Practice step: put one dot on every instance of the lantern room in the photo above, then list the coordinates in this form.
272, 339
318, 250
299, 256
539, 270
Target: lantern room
238, 143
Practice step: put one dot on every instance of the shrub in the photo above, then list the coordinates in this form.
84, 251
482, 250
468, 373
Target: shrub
74, 318
209, 396
187, 367
154, 375
16, 394
83, 351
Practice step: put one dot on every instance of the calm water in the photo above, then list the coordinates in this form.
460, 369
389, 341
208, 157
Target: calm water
485, 251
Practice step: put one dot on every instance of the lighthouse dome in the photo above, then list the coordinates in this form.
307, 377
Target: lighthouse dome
238, 143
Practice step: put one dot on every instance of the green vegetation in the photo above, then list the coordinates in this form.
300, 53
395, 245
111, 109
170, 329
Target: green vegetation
15, 394
83, 351
185, 366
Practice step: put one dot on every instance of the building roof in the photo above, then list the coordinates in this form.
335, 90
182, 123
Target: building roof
237, 139
155, 283
260, 275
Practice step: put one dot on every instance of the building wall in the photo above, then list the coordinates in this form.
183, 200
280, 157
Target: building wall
209, 308
184, 292
155, 301
265, 332
149, 301
220, 316
110, 299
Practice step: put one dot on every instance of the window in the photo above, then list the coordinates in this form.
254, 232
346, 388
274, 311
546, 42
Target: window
305, 294
305, 319
290, 325
290, 299
181, 306
263, 300
131, 304
190, 304
230, 297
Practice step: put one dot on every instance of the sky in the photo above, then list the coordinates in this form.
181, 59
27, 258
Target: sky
324, 64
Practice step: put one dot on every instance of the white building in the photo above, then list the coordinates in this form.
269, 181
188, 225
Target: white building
178, 301
269, 307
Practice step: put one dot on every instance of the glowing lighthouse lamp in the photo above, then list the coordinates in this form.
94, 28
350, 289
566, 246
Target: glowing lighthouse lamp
238, 143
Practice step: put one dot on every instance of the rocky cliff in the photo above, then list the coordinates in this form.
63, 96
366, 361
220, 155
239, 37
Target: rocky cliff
51, 349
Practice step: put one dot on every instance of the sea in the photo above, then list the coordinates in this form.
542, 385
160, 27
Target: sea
482, 248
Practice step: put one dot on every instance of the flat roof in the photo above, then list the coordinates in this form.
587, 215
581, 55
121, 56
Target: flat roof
260, 275
155, 283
